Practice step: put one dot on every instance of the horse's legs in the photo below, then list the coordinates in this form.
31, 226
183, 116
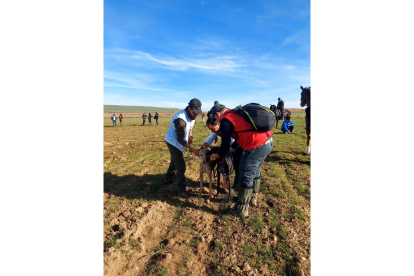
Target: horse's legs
308, 142
308, 136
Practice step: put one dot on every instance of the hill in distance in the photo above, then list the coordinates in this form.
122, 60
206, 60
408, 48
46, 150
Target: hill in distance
152, 109
138, 109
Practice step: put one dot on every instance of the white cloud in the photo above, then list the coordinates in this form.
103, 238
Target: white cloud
220, 63
131, 80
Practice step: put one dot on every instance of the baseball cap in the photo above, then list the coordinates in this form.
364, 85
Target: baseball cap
195, 105
215, 108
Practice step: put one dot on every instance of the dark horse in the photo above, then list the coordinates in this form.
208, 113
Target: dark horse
286, 113
305, 99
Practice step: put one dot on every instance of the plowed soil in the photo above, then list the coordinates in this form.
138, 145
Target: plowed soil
149, 230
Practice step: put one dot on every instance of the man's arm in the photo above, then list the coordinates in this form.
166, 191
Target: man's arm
180, 125
226, 128
209, 139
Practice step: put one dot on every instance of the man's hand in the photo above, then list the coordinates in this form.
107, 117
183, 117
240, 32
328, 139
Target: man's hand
214, 156
190, 140
196, 153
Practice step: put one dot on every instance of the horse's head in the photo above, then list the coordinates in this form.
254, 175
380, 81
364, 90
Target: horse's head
305, 96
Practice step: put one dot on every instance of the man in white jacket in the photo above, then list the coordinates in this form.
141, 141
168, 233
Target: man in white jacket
179, 138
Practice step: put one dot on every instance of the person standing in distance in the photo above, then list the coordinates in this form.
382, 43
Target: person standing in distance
156, 117
281, 107
121, 118
179, 138
113, 118
144, 117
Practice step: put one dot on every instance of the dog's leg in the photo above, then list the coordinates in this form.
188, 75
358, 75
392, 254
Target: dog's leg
229, 187
218, 178
210, 183
201, 182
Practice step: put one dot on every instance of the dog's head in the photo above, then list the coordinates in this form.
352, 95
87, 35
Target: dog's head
203, 155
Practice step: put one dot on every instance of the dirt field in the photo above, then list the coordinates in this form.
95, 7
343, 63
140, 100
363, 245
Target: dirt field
150, 231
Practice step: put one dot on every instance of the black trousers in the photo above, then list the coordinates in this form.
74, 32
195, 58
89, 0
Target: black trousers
177, 165
236, 160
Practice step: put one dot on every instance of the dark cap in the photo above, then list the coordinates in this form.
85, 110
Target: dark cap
216, 102
215, 108
195, 105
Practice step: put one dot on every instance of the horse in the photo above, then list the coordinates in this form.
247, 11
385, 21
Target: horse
305, 99
278, 115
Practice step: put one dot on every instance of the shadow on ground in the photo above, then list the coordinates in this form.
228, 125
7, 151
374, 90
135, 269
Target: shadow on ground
151, 187
274, 157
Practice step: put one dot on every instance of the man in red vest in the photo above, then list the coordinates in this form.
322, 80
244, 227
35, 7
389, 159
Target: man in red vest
256, 147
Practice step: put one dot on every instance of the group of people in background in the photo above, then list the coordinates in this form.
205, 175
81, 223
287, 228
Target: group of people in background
144, 117
287, 125
113, 118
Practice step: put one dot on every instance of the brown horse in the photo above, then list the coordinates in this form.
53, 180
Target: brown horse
278, 114
305, 99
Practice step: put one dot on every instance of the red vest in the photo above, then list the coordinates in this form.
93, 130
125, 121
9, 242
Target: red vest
247, 140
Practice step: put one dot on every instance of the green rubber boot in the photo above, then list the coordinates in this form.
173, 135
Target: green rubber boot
255, 194
242, 205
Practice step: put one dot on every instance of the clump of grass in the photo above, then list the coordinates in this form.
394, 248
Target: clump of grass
257, 254
177, 213
160, 249
299, 214
282, 231
135, 243
112, 241
257, 222
157, 270
265, 252
248, 250
218, 246
188, 222
275, 172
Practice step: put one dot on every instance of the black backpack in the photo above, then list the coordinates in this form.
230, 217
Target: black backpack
261, 118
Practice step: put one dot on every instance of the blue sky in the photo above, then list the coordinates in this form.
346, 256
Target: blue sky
163, 53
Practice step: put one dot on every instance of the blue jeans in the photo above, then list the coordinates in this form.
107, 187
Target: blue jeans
113, 123
251, 163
